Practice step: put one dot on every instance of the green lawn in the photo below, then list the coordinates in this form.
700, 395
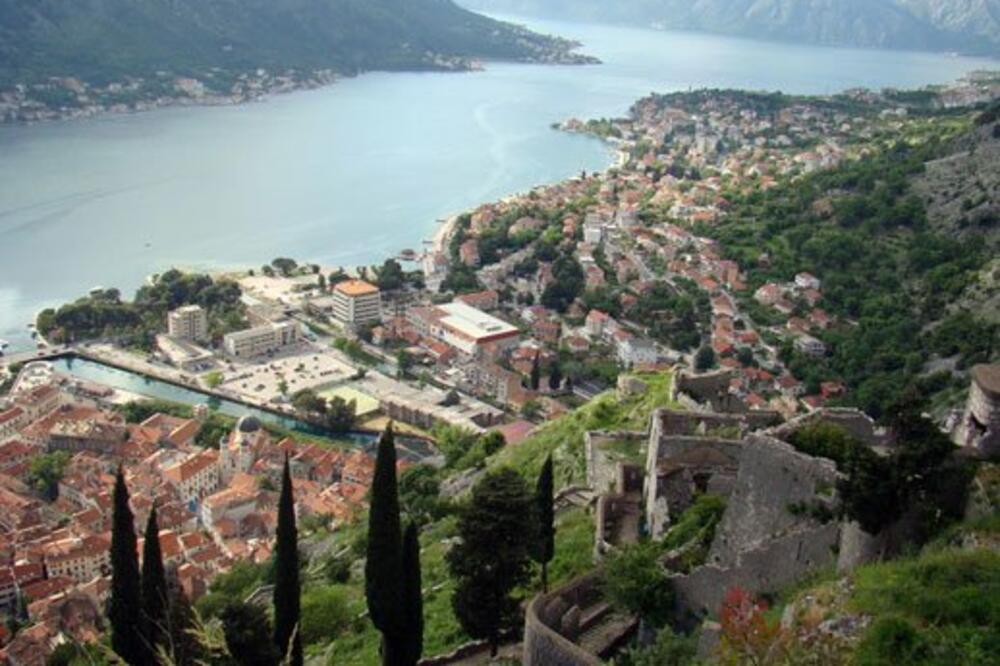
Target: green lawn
563, 437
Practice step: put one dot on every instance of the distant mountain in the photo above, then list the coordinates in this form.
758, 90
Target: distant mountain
968, 26
105, 40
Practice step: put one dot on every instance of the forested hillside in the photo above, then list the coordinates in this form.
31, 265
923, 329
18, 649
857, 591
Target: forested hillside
108, 40
906, 242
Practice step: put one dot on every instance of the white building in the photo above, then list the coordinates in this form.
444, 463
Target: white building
807, 281
196, 477
464, 328
188, 323
262, 340
82, 559
810, 346
239, 451
633, 351
356, 303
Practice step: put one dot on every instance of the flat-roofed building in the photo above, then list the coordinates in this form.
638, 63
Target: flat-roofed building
188, 323
356, 303
464, 328
262, 340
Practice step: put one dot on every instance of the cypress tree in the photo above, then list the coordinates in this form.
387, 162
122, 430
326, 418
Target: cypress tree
544, 545
184, 647
413, 601
287, 589
154, 586
555, 377
384, 565
125, 609
536, 372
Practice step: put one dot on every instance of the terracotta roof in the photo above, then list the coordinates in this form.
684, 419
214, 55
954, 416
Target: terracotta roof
355, 288
192, 466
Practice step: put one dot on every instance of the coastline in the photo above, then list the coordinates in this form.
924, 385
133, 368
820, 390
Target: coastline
25, 113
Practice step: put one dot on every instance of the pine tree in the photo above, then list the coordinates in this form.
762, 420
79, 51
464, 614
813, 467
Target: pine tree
491, 558
544, 545
154, 586
287, 589
125, 608
413, 602
536, 372
384, 565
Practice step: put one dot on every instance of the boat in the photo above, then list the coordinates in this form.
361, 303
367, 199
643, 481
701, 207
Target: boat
3, 344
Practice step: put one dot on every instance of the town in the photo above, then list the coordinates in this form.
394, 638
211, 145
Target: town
516, 314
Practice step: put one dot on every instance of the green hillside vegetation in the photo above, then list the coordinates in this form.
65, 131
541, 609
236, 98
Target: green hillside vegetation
936, 607
101, 41
563, 437
905, 287
136, 323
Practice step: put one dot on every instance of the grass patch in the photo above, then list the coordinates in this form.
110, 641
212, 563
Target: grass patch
574, 547
563, 437
942, 607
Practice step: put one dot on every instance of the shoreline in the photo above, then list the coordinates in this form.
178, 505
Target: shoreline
317, 81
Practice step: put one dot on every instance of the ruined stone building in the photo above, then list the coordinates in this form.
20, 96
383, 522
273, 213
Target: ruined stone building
979, 427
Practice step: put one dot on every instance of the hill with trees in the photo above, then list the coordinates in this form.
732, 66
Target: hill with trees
905, 241
215, 41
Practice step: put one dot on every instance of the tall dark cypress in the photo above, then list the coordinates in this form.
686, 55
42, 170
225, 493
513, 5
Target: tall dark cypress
184, 646
412, 641
384, 566
287, 589
154, 586
125, 609
544, 546
536, 372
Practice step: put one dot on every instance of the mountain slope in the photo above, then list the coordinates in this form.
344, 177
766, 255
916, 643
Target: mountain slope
971, 26
110, 39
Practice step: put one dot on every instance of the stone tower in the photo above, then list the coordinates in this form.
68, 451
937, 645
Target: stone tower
980, 424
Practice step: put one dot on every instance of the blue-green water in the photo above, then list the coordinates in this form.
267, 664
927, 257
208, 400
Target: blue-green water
356, 171
152, 388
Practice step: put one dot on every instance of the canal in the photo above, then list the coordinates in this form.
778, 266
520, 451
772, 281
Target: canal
131, 382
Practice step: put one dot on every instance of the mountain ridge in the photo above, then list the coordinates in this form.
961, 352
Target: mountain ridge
967, 26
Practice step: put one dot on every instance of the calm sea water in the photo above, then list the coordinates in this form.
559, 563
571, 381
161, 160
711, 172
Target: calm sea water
357, 171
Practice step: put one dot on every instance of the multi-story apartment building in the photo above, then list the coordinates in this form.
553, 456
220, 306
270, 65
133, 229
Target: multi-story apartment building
262, 340
82, 559
196, 477
356, 302
188, 323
